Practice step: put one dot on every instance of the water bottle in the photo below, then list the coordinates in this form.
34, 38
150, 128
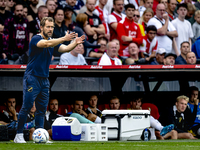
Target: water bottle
146, 135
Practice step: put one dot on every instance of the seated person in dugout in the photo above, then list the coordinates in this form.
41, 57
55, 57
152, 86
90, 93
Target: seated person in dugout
51, 116
161, 132
80, 114
10, 114
181, 118
114, 103
93, 108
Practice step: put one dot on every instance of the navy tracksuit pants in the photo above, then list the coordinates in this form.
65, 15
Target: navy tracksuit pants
34, 89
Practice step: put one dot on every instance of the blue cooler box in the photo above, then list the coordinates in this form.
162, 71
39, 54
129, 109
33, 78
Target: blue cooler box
66, 129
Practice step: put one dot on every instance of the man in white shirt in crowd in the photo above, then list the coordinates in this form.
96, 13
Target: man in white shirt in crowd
110, 56
74, 57
165, 30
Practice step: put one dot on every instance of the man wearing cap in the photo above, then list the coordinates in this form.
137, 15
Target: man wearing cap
169, 59
160, 53
185, 48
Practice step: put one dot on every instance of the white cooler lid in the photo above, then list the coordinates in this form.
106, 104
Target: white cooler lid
114, 112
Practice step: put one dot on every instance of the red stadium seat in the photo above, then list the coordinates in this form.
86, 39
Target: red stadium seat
153, 109
2, 108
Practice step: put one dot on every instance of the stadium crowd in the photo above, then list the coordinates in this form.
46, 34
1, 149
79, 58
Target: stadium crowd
118, 32
181, 120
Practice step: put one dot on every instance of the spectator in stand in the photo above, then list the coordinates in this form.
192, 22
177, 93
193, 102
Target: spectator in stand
16, 36
196, 25
74, 57
32, 10
110, 57
150, 43
171, 6
35, 24
51, 6
72, 4
180, 118
193, 106
59, 31
98, 52
185, 48
160, 54
183, 27
147, 15
114, 103
115, 17
92, 109
161, 132
197, 5
94, 28
128, 31
25, 12
169, 59
147, 4
102, 13
165, 2
10, 114
9, 5
134, 55
51, 115
136, 17
81, 22
165, 30
191, 58
68, 12
190, 13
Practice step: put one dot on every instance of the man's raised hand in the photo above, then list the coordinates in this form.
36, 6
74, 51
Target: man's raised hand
80, 40
69, 37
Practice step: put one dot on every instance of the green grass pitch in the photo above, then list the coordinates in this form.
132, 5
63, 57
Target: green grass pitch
110, 145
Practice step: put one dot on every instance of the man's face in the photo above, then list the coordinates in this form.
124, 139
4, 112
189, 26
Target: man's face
78, 49
185, 48
160, 10
160, 58
53, 105
51, 6
151, 35
11, 102
170, 60
129, 13
93, 101
136, 104
118, 6
103, 2
136, 16
194, 95
34, 2
19, 11
191, 58
117, 43
47, 30
172, 5
190, 14
112, 50
164, 2
114, 104
71, 3
133, 49
78, 106
43, 13
90, 5
181, 105
182, 12
2, 4
59, 17
148, 4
